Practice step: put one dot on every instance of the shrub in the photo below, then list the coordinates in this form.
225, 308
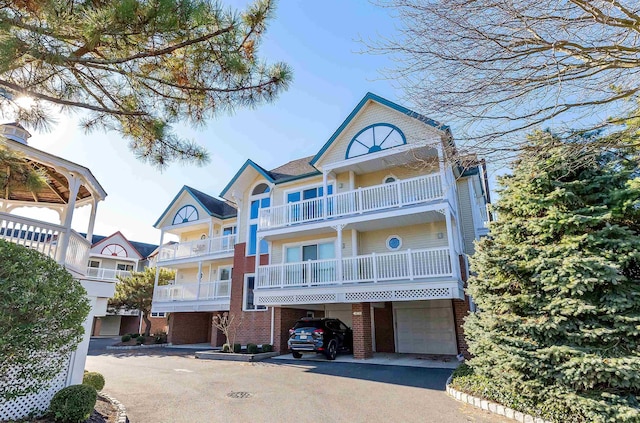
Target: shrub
140, 340
267, 348
134, 335
28, 346
125, 338
252, 349
94, 379
237, 348
73, 404
226, 348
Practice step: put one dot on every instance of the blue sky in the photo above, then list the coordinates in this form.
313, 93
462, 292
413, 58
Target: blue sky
319, 41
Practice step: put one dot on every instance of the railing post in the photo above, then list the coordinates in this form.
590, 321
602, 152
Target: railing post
399, 190
282, 270
359, 206
410, 263
308, 275
375, 267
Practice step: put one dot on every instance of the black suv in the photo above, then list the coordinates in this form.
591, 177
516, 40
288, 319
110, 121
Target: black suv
320, 335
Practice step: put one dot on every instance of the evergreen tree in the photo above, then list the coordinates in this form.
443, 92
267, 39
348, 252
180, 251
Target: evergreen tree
135, 66
558, 284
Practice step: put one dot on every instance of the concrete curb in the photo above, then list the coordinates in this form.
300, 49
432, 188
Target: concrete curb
492, 407
211, 355
122, 411
135, 347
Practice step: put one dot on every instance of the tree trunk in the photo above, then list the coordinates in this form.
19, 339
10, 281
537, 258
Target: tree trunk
147, 323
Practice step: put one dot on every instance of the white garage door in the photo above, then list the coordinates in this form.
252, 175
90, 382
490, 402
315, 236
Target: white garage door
340, 311
425, 327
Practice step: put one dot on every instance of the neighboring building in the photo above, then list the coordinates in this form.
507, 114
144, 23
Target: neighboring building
374, 229
69, 186
115, 256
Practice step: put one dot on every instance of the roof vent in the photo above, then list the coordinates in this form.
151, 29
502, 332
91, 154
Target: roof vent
16, 132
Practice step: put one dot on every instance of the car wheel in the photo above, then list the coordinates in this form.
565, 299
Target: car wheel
296, 354
332, 350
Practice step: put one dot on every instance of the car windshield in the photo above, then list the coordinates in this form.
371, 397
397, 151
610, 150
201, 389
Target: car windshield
308, 324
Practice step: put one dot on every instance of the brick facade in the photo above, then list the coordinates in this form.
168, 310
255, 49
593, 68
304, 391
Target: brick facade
285, 319
189, 328
383, 321
460, 311
362, 342
254, 326
130, 324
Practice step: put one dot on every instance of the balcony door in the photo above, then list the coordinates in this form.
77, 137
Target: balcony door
310, 210
311, 263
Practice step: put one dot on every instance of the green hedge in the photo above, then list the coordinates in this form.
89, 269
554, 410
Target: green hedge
94, 379
252, 349
73, 404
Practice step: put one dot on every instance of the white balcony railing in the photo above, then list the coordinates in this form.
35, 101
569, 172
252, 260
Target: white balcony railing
107, 274
201, 247
371, 268
48, 239
379, 197
216, 290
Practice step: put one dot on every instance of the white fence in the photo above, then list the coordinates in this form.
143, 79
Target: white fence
379, 197
370, 268
107, 274
201, 247
190, 292
36, 403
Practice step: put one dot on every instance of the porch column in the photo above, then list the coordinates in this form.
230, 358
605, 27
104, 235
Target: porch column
92, 219
324, 194
338, 229
362, 339
455, 263
258, 242
155, 284
199, 280
74, 187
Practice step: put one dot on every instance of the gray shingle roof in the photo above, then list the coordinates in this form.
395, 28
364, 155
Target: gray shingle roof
213, 205
294, 168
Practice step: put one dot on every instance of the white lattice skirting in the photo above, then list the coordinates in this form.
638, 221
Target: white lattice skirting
32, 404
275, 298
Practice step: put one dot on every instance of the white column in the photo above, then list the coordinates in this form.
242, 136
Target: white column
455, 263
92, 219
338, 229
354, 242
258, 242
324, 194
352, 180
199, 280
155, 285
74, 187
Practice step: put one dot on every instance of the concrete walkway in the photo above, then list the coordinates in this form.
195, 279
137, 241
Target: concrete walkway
385, 359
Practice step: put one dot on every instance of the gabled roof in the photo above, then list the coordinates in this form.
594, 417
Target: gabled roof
213, 206
247, 164
142, 248
384, 102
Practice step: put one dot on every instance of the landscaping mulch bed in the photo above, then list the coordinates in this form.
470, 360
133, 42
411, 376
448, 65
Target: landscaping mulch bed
104, 412
148, 340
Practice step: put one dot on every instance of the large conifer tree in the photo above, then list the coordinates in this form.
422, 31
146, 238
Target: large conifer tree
558, 285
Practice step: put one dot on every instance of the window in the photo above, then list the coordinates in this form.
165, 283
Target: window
124, 266
394, 242
158, 314
260, 189
312, 209
94, 263
374, 138
224, 273
298, 253
389, 179
228, 241
249, 285
254, 212
115, 250
185, 214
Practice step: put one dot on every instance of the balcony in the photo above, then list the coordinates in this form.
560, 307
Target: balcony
405, 275
222, 246
371, 268
206, 296
106, 274
47, 238
402, 193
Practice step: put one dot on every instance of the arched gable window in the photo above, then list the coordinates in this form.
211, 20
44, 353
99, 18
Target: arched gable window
374, 138
260, 189
115, 250
185, 214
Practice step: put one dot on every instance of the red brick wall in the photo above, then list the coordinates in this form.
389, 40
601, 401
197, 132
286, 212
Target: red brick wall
362, 342
129, 324
460, 311
189, 328
285, 319
255, 326
383, 318
97, 324
158, 324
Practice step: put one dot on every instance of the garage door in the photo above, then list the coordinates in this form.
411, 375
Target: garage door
425, 328
340, 311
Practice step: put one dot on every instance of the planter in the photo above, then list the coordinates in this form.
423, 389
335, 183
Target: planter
216, 355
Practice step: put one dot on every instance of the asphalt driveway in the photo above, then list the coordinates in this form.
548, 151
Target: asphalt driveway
171, 386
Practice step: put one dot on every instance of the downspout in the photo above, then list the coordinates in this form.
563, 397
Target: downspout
273, 319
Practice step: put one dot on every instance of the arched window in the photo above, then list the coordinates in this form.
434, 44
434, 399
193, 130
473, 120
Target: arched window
185, 214
115, 250
389, 179
261, 189
374, 138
